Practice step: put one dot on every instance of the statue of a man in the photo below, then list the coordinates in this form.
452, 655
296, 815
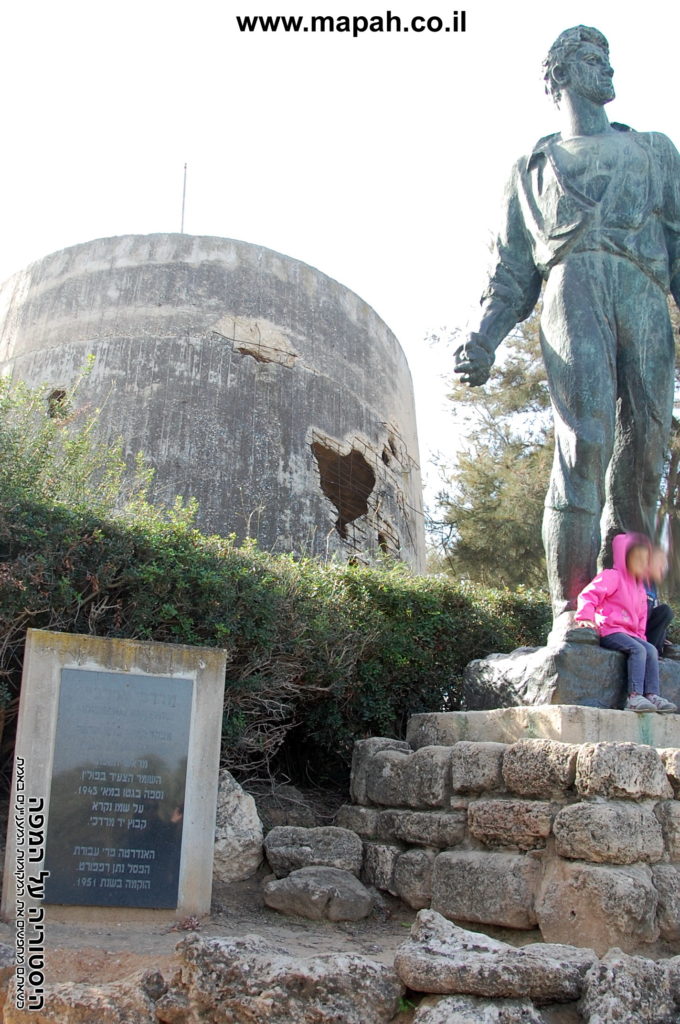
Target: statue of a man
594, 213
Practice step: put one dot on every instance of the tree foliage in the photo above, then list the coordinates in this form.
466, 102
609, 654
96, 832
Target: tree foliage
491, 504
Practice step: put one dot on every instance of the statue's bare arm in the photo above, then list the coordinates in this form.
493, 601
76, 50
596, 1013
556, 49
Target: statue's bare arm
510, 296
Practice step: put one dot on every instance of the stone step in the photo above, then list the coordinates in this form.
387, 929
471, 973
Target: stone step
568, 723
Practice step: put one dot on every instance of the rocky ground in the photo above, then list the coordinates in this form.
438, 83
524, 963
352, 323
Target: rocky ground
85, 952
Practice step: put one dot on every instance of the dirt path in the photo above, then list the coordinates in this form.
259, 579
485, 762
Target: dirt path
96, 953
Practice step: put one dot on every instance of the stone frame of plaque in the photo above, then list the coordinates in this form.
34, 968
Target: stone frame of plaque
120, 743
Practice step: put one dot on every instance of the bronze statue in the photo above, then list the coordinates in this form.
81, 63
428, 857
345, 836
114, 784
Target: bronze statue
593, 212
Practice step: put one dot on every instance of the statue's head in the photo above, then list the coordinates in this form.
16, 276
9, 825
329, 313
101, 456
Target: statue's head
579, 58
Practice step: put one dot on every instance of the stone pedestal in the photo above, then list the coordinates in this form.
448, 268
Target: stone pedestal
561, 818
570, 671
566, 723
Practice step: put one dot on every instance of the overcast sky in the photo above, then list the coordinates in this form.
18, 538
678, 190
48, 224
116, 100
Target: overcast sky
380, 160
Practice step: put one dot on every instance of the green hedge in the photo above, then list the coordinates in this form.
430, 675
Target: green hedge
318, 655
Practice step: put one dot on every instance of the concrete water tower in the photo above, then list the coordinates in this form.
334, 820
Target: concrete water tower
271, 393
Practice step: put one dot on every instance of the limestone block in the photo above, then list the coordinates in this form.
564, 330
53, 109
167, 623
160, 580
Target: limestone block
670, 757
668, 813
362, 753
388, 778
488, 888
476, 767
627, 770
420, 779
597, 906
238, 833
522, 823
289, 848
666, 880
362, 820
413, 877
540, 768
319, 893
615, 832
440, 957
380, 860
424, 828
247, 979
120, 1002
627, 988
431, 767
472, 1010
673, 971
285, 805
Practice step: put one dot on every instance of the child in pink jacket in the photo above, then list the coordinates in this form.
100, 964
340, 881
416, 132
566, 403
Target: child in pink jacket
615, 604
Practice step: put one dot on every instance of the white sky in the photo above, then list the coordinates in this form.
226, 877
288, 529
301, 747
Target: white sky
379, 160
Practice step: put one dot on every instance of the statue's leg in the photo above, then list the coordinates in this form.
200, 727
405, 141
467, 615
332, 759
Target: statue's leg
645, 362
579, 350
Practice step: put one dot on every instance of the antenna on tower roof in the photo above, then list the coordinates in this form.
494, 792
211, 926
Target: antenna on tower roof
184, 196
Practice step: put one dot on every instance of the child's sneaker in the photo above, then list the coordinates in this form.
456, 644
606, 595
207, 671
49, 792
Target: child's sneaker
636, 702
663, 706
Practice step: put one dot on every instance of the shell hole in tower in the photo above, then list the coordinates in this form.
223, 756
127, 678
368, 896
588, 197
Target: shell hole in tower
347, 481
56, 403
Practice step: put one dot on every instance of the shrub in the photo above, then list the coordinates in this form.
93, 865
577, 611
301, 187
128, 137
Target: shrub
317, 655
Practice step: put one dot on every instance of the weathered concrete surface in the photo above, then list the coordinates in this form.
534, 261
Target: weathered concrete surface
271, 393
562, 673
567, 723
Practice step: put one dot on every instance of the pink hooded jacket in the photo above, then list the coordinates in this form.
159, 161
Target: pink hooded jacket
615, 600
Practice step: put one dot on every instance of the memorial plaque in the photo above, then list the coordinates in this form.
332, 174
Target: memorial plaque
118, 789
114, 788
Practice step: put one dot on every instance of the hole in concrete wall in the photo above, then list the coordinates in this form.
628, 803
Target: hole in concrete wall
393, 446
386, 456
56, 404
347, 480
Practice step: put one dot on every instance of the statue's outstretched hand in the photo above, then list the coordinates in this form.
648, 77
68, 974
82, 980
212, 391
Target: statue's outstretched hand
473, 361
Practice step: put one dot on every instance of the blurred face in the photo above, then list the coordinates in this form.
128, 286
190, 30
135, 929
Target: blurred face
637, 561
658, 565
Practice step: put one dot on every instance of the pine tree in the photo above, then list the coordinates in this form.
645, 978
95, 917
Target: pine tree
491, 505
